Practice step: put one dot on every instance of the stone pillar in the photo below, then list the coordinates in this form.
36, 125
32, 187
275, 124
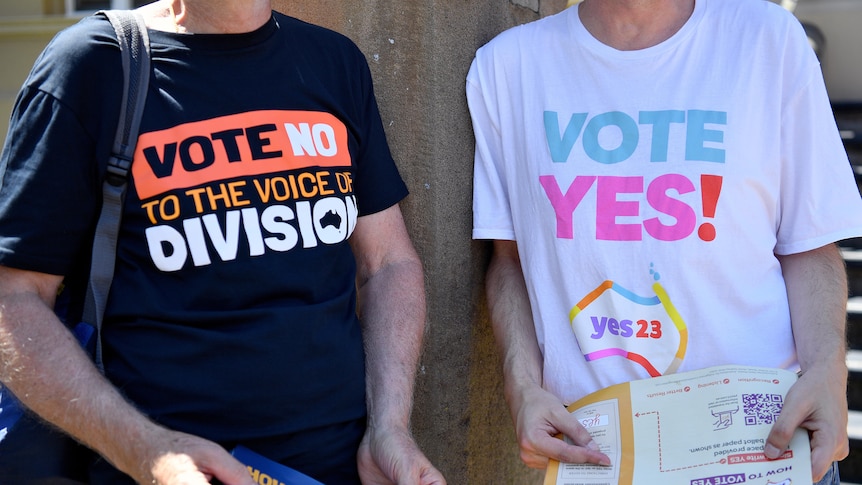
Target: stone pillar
419, 53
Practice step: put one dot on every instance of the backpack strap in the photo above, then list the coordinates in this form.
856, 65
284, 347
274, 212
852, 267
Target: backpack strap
135, 51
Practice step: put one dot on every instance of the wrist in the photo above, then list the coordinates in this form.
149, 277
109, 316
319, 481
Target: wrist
135, 447
518, 386
834, 363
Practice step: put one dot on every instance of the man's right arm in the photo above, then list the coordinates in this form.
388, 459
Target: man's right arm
538, 415
43, 365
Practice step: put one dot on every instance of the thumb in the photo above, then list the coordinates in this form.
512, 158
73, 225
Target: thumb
781, 434
229, 471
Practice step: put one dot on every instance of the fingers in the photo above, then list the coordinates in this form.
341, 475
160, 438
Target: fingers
583, 448
542, 442
392, 457
822, 413
780, 435
557, 449
417, 465
539, 420
195, 461
229, 471
827, 448
431, 476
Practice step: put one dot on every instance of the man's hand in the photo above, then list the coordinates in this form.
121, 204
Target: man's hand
539, 417
817, 403
392, 457
166, 457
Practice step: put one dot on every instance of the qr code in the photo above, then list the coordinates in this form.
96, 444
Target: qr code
761, 408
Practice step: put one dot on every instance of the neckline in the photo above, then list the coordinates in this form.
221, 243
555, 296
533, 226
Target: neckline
217, 42
581, 36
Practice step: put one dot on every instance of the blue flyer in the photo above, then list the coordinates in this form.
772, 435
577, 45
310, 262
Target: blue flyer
267, 472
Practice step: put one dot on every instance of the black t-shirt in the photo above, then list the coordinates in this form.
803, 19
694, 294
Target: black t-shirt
232, 311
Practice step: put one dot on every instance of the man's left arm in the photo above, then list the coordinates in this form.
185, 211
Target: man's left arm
392, 310
817, 292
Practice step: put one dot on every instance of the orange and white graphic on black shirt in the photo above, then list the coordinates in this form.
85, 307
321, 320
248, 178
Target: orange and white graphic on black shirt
233, 146
256, 182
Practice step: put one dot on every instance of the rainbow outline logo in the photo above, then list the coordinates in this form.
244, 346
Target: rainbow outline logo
660, 298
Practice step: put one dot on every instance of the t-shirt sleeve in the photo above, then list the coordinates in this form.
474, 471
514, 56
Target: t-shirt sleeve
492, 217
47, 206
55, 150
820, 202
378, 183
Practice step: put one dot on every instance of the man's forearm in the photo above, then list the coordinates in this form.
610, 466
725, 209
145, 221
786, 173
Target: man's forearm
512, 320
391, 288
392, 308
817, 293
43, 364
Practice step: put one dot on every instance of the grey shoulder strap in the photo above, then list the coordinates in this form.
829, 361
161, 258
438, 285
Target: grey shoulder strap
135, 51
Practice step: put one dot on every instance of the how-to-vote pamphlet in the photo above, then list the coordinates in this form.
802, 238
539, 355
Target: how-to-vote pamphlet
705, 427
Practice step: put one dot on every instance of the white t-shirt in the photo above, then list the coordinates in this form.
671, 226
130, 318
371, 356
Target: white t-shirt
649, 190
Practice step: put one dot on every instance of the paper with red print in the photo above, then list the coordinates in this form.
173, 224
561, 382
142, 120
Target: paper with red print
705, 427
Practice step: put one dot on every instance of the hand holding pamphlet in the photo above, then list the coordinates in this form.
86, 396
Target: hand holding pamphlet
705, 427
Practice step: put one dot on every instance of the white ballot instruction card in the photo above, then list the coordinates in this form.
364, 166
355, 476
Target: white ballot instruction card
705, 427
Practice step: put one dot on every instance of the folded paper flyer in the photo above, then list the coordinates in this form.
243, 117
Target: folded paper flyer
267, 472
705, 427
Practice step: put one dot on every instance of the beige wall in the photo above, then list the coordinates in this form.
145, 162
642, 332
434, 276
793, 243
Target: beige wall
22, 38
21, 7
419, 54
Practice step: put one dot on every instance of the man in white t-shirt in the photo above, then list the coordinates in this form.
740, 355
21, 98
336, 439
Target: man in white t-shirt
664, 184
